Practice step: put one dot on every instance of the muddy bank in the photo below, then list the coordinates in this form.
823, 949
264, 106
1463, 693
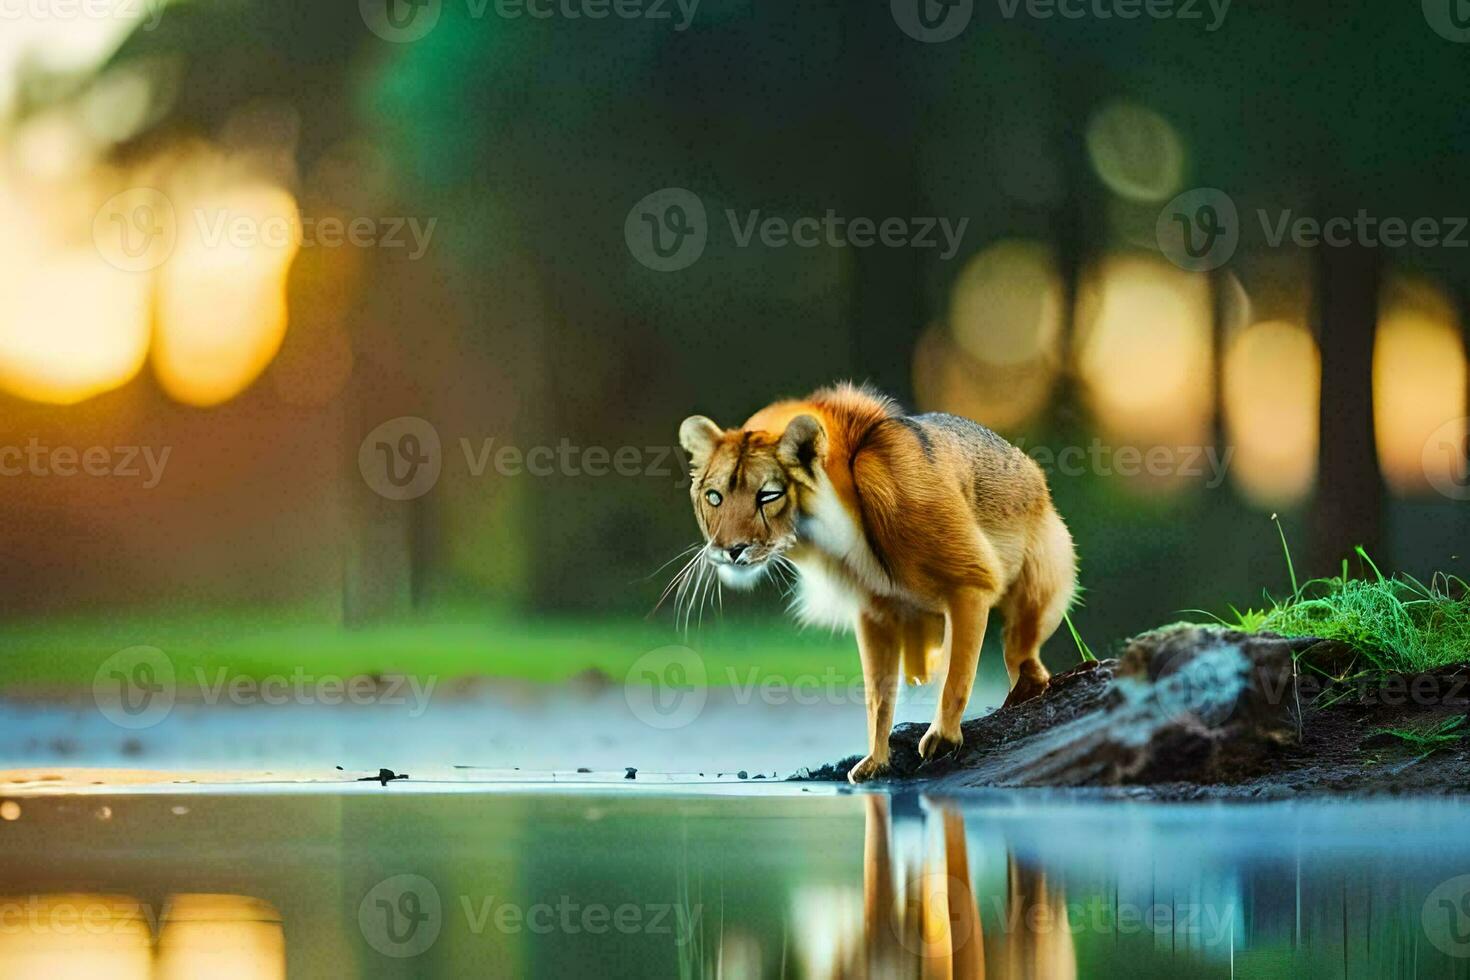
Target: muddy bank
1209, 713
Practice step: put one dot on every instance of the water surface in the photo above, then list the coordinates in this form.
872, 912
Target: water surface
767, 881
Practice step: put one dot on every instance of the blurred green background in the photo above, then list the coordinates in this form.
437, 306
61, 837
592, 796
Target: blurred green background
491, 166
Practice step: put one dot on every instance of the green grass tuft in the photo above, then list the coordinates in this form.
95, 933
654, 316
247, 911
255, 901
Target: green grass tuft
1431, 738
1083, 649
1396, 624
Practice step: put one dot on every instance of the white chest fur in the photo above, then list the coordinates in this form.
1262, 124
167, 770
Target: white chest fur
834, 580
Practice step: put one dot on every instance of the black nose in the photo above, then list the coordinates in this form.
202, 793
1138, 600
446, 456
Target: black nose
736, 550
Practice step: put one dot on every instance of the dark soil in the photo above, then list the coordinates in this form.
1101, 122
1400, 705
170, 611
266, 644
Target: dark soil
1193, 713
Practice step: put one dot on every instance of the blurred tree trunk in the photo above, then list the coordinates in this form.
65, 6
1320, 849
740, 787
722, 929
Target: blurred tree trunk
379, 555
1349, 500
886, 308
1075, 239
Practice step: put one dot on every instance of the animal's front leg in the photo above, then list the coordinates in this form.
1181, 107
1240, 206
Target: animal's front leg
964, 630
879, 647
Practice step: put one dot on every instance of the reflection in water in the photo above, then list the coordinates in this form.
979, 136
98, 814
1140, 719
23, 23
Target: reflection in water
221, 937
75, 936
778, 881
111, 937
920, 917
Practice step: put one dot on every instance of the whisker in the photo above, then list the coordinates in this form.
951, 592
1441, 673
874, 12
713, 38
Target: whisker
677, 581
666, 564
688, 592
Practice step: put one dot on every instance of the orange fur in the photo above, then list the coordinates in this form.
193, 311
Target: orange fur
923, 524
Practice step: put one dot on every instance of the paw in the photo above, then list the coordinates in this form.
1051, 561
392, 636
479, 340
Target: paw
1028, 685
936, 744
868, 768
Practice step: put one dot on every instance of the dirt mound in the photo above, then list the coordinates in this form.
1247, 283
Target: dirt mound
1206, 712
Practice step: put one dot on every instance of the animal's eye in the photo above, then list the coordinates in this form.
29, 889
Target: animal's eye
713, 496
766, 496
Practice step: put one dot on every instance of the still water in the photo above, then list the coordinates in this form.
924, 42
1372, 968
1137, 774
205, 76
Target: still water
768, 881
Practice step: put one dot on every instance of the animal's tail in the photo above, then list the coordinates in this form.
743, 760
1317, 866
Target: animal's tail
923, 648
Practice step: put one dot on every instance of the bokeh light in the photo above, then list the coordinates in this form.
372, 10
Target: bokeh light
1145, 351
1272, 390
1136, 152
1419, 379
223, 937
71, 326
222, 295
76, 937
997, 360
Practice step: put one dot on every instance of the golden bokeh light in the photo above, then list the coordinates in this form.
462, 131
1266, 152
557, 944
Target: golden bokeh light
1419, 384
1272, 387
1144, 350
71, 325
1006, 306
998, 359
222, 295
948, 379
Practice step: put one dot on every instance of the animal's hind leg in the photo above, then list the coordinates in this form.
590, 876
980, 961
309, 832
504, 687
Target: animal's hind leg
1034, 606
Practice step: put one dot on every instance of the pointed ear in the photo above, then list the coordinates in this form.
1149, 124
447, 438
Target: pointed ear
699, 436
803, 446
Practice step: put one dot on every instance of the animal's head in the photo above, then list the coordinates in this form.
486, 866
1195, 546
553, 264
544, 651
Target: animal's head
746, 487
